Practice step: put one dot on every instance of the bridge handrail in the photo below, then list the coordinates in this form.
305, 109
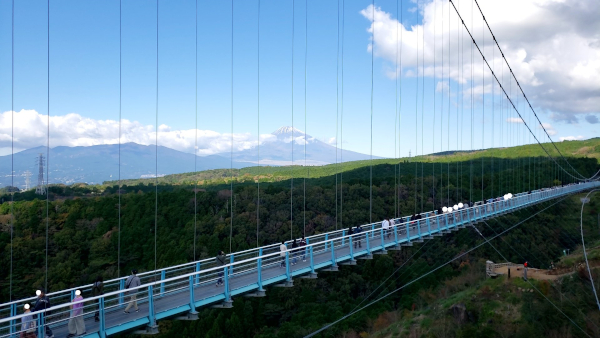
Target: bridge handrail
432, 215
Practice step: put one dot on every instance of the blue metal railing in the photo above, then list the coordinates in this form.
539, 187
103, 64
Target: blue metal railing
181, 289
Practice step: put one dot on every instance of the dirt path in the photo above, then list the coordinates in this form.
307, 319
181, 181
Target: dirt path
539, 274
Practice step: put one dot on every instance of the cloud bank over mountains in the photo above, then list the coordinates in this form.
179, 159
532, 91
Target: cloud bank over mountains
552, 46
30, 130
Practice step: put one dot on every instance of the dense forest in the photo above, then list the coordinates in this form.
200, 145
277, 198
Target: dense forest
83, 231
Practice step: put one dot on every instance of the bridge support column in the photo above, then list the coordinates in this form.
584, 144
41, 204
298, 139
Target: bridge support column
334, 266
420, 239
383, 251
162, 285
260, 292
152, 328
102, 318
352, 261
13, 312
288, 282
228, 302
192, 315
198, 270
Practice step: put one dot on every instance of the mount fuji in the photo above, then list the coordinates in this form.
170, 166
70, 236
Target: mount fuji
285, 142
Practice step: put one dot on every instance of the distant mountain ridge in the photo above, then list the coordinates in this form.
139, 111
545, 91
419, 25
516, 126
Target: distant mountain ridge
99, 163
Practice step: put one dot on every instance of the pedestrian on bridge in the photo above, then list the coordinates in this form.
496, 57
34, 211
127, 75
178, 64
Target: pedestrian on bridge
98, 290
221, 261
303, 244
28, 326
385, 225
357, 238
43, 303
76, 322
132, 281
282, 249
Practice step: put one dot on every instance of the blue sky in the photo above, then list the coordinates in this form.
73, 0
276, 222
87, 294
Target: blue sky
84, 74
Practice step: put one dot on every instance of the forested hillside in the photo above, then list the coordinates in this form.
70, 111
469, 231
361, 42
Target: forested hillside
83, 225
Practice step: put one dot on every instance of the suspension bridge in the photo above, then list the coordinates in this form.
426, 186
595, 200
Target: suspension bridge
178, 292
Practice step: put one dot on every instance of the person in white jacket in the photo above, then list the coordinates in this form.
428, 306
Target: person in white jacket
385, 225
283, 249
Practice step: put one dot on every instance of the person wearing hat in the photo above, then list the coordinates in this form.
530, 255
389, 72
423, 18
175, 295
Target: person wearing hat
27, 324
132, 281
43, 303
76, 322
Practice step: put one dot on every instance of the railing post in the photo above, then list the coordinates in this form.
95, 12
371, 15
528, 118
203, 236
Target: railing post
226, 278
287, 266
231, 262
343, 239
192, 296
368, 244
396, 234
326, 238
373, 232
121, 287
408, 229
13, 312
259, 269
312, 262
382, 240
428, 225
306, 247
72, 295
198, 270
333, 260
40, 325
351, 248
102, 318
162, 285
447, 223
419, 228
151, 306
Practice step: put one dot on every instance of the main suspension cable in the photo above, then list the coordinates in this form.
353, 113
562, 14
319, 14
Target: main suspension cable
508, 98
522, 92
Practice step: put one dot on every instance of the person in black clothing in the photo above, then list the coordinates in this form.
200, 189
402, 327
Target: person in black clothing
98, 290
357, 239
43, 303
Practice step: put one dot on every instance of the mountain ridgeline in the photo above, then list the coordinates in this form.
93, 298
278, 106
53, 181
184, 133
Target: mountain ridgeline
99, 163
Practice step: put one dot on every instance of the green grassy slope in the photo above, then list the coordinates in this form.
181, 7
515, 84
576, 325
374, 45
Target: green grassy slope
586, 149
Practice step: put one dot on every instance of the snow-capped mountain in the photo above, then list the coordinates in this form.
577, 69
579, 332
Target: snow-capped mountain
286, 143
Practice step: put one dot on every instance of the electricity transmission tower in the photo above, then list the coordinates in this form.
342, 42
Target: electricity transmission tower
40, 189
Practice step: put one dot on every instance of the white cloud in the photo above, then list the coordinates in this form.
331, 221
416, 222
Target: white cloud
30, 130
571, 138
552, 46
514, 120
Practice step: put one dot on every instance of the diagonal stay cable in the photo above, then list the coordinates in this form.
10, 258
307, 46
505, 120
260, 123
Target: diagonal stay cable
432, 271
528, 281
508, 97
520, 88
392, 274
